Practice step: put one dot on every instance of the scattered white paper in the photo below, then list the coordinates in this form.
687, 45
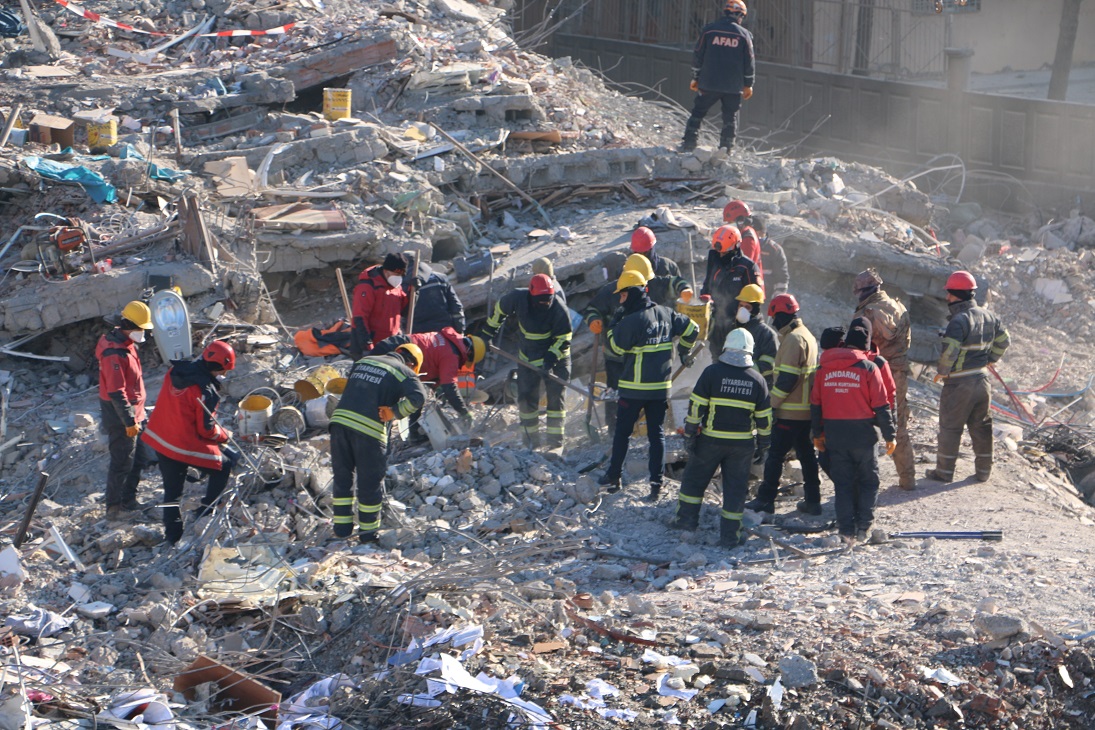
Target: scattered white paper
11, 565
152, 705
302, 710
418, 700
755, 673
775, 692
715, 705
598, 689
942, 676
666, 691
662, 660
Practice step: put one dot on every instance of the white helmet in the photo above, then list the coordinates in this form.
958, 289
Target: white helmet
738, 339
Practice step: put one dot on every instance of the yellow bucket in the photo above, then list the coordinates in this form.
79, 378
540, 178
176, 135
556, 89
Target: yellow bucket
315, 384
254, 413
698, 313
334, 389
102, 134
336, 104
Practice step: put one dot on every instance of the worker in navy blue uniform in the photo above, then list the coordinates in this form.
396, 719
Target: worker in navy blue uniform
722, 71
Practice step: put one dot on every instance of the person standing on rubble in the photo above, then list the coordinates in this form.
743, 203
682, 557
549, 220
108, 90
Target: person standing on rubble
729, 402
183, 430
722, 71
765, 339
379, 301
796, 361
728, 272
121, 405
776, 274
847, 401
544, 343
642, 242
437, 306
975, 338
644, 337
891, 336
379, 389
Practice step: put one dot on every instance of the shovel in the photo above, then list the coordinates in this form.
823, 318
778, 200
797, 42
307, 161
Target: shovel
700, 346
544, 373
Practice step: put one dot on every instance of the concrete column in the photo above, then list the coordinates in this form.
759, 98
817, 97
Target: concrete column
959, 63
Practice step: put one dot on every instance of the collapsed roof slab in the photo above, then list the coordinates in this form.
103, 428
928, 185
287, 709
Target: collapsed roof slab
319, 66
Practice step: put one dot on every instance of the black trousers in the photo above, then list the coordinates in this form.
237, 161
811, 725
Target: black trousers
855, 481
627, 415
174, 480
787, 435
731, 103
613, 370
127, 457
354, 453
528, 403
735, 457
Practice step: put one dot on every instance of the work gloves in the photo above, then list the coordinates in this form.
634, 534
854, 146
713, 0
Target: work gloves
691, 436
819, 443
890, 447
231, 455
132, 431
386, 414
686, 356
695, 85
686, 296
550, 361
465, 421
761, 453
747, 93
596, 326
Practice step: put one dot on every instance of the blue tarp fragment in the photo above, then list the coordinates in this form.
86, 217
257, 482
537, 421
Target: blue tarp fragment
95, 184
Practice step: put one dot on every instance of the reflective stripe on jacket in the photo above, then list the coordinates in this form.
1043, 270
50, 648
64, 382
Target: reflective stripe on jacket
373, 382
729, 402
645, 340
542, 329
796, 361
975, 338
183, 424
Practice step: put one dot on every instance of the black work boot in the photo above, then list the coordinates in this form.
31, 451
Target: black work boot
761, 505
688, 144
810, 508
730, 533
687, 517
655, 492
611, 484
938, 476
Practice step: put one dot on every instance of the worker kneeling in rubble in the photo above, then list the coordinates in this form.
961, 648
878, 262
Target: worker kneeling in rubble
183, 430
729, 401
379, 389
443, 354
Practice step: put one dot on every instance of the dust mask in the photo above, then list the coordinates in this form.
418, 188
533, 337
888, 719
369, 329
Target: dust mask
743, 315
395, 280
137, 336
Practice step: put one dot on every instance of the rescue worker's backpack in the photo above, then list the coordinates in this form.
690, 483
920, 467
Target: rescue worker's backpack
316, 342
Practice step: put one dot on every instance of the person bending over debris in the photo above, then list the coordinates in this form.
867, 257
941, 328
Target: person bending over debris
121, 404
642, 242
722, 71
775, 272
544, 343
183, 430
443, 353
644, 339
379, 300
975, 339
765, 339
796, 360
847, 401
379, 389
728, 272
729, 401
437, 306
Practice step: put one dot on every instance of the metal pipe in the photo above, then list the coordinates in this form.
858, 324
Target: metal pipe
995, 535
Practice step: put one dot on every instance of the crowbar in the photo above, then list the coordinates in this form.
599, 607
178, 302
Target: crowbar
994, 535
544, 373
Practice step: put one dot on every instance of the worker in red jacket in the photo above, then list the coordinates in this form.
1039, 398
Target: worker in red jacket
121, 404
184, 431
847, 401
379, 301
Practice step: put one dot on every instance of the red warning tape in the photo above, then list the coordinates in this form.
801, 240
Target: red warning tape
96, 18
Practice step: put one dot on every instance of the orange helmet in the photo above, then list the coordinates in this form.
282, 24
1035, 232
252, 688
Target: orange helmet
726, 238
735, 7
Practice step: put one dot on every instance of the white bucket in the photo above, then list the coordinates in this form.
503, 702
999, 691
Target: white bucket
315, 412
254, 414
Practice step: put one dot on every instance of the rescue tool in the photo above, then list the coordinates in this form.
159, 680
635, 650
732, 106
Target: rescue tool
565, 383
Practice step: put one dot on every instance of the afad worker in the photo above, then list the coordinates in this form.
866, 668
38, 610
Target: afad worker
769, 255
379, 389
729, 402
379, 301
975, 339
847, 401
183, 430
544, 342
644, 337
728, 272
765, 339
121, 405
722, 71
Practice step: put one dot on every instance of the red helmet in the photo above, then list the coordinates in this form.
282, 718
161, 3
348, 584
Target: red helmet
642, 240
541, 285
783, 304
748, 232
961, 281
734, 210
220, 354
726, 238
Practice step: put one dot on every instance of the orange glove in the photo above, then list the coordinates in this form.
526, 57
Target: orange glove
747, 93
819, 443
686, 296
596, 326
705, 298
695, 85
938, 378
132, 431
890, 446
386, 414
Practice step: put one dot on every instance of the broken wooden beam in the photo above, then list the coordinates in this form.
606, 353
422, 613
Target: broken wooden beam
341, 59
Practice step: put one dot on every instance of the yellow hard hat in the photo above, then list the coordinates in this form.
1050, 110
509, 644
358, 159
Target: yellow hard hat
478, 348
751, 293
629, 279
139, 314
416, 355
638, 262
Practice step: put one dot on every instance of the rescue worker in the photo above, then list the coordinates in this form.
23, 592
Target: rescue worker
379, 389
644, 337
776, 274
544, 343
891, 335
722, 71
830, 337
729, 401
796, 360
642, 242
437, 305
728, 272
443, 354
847, 401
765, 339
750, 248
544, 266
975, 338
121, 405
183, 430
379, 301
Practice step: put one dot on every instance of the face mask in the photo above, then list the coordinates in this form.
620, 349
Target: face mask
137, 336
743, 315
395, 280
220, 378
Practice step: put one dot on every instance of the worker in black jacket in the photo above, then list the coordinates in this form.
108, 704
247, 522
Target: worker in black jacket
642, 242
379, 389
544, 343
765, 339
437, 305
722, 71
729, 402
728, 272
644, 338
777, 275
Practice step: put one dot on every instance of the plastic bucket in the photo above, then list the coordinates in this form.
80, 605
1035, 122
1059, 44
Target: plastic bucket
335, 387
254, 414
316, 413
288, 421
314, 384
336, 104
698, 313
102, 134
